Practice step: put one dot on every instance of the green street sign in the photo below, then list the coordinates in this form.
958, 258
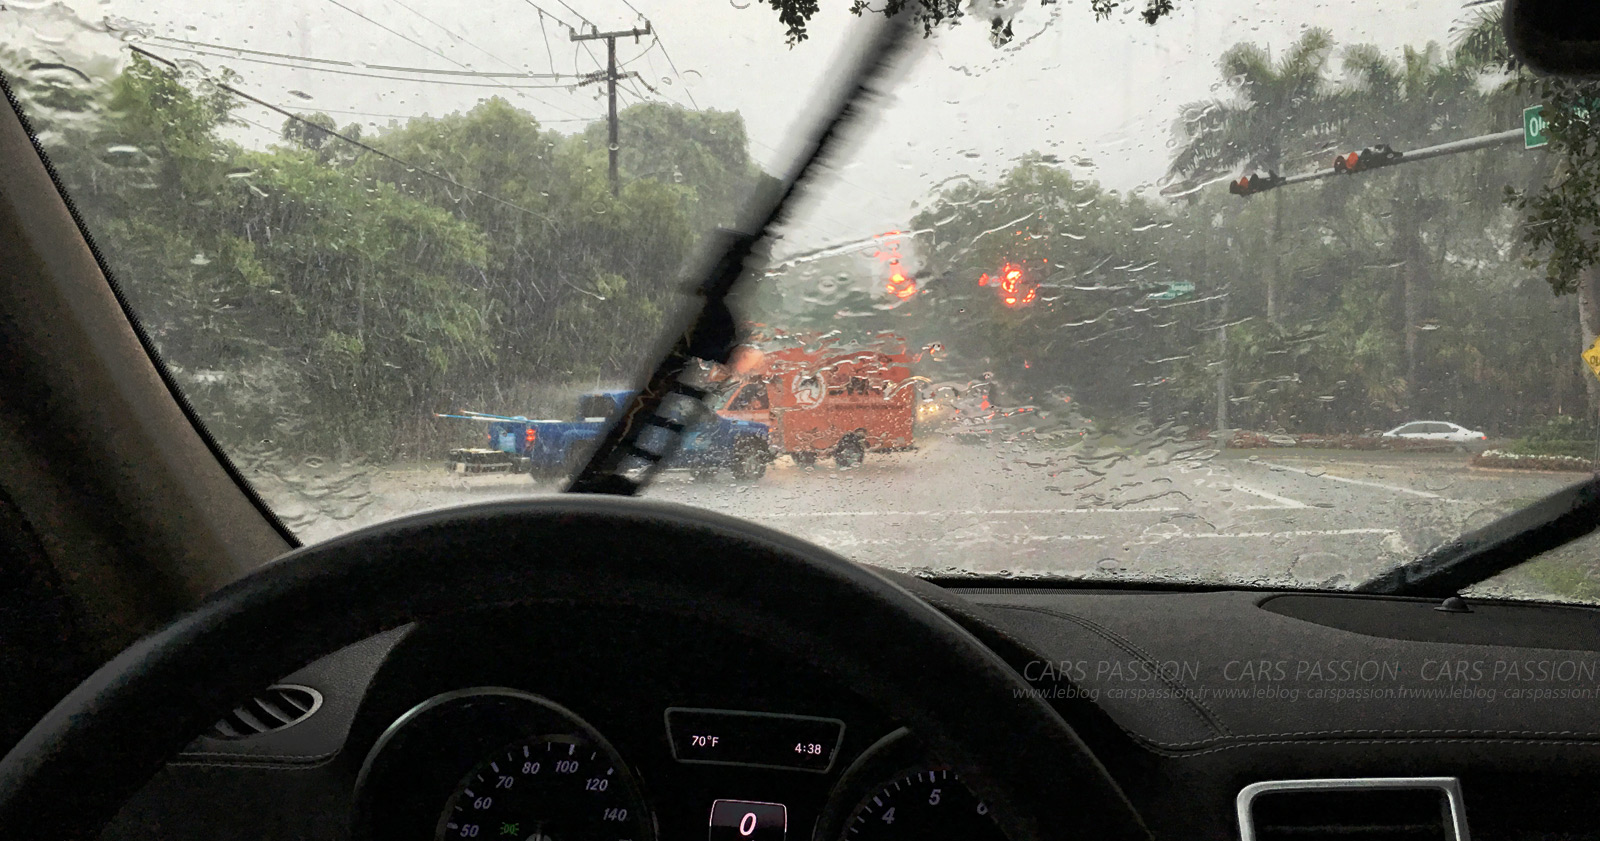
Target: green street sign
1533, 126
1176, 289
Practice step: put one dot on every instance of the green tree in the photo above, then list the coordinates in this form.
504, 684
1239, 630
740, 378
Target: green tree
795, 15
294, 298
1420, 100
1092, 257
707, 152
1559, 215
1277, 113
575, 274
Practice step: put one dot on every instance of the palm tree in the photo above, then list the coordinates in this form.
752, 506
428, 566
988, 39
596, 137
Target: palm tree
1422, 99
1276, 108
1482, 43
1273, 105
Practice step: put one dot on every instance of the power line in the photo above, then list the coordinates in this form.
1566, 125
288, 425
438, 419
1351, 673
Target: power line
597, 61
411, 40
543, 33
352, 141
569, 8
425, 116
674, 66
446, 30
654, 42
656, 73
341, 72
359, 65
544, 13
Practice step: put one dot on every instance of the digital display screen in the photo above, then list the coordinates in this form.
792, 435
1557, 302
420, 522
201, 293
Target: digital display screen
747, 820
769, 740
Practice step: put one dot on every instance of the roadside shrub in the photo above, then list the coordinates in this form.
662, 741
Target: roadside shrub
1562, 435
1530, 461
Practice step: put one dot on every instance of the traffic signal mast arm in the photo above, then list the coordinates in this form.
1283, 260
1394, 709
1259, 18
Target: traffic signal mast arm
1370, 158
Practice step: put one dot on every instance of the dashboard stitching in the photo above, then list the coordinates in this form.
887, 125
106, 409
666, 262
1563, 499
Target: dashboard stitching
317, 762
988, 624
1584, 740
1514, 735
298, 759
1203, 712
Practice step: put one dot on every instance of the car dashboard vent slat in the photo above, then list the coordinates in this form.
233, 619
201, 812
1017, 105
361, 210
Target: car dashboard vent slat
1400, 808
270, 710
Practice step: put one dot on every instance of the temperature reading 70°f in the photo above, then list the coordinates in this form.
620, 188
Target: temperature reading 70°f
703, 741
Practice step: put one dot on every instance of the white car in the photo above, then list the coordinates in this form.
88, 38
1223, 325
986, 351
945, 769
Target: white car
1441, 431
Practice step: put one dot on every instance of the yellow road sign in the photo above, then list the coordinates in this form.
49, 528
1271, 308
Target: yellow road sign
1591, 357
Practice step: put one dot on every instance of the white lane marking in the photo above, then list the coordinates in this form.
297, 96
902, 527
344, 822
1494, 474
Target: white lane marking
769, 515
1282, 501
1367, 482
1014, 512
837, 541
1298, 533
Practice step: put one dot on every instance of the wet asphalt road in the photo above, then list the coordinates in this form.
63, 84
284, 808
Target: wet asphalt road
1166, 511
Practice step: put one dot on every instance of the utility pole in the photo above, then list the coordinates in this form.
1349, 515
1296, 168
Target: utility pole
610, 76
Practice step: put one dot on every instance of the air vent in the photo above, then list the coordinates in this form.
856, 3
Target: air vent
1380, 809
274, 709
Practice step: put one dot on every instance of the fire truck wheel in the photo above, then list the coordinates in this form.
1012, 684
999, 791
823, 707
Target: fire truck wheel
849, 452
805, 458
749, 459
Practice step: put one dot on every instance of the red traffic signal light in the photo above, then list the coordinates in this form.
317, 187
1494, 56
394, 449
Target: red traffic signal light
1016, 290
1371, 157
1254, 183
900, 286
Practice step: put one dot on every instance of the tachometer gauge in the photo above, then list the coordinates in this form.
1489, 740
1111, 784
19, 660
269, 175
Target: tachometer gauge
896, 791
550, 788
930, 804
493, 763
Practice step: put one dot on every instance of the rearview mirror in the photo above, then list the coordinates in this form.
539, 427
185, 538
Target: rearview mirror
1557, 37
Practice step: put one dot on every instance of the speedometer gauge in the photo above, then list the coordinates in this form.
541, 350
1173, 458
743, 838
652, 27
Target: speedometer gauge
551, 788
497, 763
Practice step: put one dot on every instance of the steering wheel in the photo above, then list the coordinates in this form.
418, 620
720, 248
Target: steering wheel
72, 771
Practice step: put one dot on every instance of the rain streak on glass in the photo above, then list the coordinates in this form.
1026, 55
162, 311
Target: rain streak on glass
1079, 299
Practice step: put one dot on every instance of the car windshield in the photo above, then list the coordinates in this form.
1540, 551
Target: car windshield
1197, 292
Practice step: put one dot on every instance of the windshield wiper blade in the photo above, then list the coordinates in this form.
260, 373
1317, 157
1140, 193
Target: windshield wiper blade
1558, 519
649, 430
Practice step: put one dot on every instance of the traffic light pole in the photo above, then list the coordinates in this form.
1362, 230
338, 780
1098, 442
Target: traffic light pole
610, 76
1380, 157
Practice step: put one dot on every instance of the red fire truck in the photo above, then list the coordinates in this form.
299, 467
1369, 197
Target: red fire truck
820, 398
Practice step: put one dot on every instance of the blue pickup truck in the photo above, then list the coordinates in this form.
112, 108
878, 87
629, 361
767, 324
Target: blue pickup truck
544, 448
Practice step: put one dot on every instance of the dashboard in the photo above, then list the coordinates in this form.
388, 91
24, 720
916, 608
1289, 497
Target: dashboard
509, 764
683, 731
656, 726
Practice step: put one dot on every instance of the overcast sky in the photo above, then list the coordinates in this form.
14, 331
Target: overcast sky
1104, 93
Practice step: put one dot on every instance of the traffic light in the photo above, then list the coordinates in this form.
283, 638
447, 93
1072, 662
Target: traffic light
1371, 157
900, 286
1254, 183
1015, 289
